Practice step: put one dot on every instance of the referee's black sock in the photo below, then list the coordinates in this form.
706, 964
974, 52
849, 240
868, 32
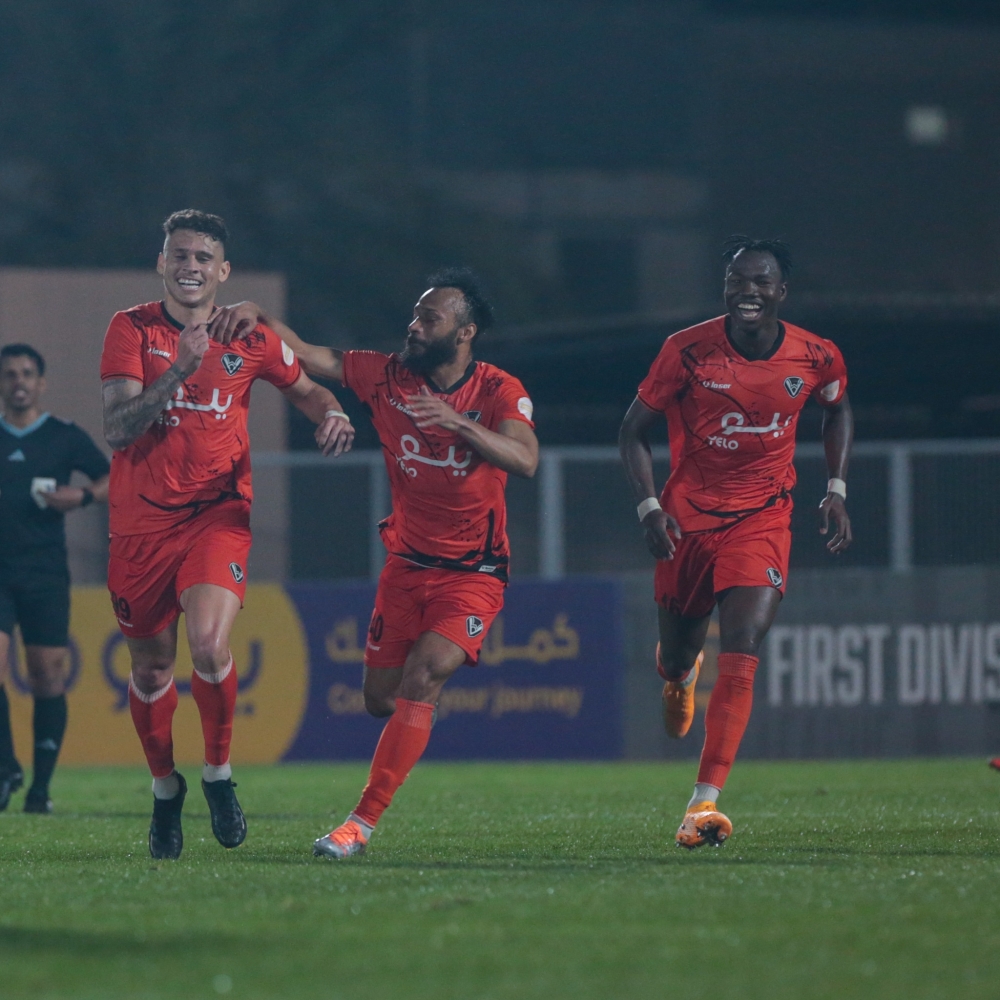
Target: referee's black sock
7, 757
50, 724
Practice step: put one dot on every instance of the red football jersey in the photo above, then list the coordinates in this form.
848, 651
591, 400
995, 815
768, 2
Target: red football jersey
197, 452
448, 507
732, 421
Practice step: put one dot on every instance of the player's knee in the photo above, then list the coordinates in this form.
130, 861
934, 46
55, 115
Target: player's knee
744, 640
152, 674
379, 705
209, 651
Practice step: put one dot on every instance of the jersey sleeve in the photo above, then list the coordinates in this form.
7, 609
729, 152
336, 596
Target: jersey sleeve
122, 353
86, 456
280, 367
658, 389
513, 403
833, 380
362, 369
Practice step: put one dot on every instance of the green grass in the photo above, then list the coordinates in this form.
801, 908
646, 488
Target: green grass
512, 882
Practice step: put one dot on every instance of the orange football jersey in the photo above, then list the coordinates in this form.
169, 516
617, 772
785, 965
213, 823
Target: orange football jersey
197, 452
448, 506
732, 420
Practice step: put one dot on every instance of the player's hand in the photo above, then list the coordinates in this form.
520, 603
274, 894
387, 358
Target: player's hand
336, 435
192, 346
660, 526
63, 498
429, 411
232, 322
833, 507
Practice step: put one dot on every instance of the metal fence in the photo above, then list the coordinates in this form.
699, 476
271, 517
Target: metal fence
916, 503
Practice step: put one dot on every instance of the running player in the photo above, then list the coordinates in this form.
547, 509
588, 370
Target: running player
451, 429
38, 453
731, 390
175, 413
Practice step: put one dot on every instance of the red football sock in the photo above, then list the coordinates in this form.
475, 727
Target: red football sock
401, 745
152, 716
727, 716
215, 696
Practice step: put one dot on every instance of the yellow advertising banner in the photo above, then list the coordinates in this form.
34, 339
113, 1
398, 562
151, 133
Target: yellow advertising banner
272, 662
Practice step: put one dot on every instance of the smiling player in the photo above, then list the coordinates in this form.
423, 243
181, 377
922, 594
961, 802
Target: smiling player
731, 390
175, 413
451, 429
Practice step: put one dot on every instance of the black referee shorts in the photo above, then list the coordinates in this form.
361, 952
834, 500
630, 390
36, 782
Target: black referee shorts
40, 606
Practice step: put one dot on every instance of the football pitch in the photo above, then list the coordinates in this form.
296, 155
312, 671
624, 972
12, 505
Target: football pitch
501, 881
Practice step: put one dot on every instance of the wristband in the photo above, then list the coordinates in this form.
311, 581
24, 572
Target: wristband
336, 413
837, 486
650, 503
88, 497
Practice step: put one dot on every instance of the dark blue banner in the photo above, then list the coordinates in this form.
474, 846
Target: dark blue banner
548, 685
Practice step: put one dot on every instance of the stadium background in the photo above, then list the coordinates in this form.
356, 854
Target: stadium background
587, 158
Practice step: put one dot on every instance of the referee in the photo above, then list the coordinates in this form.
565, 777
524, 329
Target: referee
38, 452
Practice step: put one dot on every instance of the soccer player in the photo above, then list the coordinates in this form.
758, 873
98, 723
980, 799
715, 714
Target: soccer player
731, 390
451, 429
38, 453
175, 413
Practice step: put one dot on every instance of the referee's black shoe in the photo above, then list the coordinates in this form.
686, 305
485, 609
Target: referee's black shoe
11, 779
228, 822
37, 801
166, 839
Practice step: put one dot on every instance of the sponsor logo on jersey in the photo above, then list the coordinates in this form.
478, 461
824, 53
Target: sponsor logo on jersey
473, 626
473, 415
232, 363
793, 385
774, 576
162, 354
16, 456
237, 570
525, 407
709, 384
287, 354
410, 447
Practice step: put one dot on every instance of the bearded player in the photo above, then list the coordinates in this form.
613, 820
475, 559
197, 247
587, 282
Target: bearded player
451, 429
175, 413
731, 390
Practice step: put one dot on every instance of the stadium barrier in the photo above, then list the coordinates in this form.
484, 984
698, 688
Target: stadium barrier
548, 686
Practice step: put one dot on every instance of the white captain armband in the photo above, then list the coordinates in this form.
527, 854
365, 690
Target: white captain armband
650, 503
336, 413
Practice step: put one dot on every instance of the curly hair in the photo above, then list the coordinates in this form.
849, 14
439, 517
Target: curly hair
778, 249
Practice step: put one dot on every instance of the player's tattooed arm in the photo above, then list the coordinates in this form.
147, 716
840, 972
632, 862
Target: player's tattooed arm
335, 432
241, 319
637, 458
838, 435
130, 410
513, 447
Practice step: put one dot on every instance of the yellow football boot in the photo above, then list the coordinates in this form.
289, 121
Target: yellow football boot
678, 699
703, 824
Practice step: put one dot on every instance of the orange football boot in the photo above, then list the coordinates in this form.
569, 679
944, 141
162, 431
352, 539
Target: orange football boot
995, 763
344, 842
678, 698
703, 824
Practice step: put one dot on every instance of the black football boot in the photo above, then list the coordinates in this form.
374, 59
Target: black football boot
11, 779
166, 839
228, 822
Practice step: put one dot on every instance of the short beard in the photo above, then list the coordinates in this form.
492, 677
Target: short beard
440, 352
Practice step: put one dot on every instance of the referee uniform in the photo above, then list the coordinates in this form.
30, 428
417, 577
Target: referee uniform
34, 575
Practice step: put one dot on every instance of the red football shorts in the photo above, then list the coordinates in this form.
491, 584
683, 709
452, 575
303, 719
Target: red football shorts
752, 553
148, 573
413, 599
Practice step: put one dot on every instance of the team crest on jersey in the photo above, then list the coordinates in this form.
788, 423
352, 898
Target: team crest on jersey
775, 577
473, 415
473, 626
793, 385
237, 570
232, 363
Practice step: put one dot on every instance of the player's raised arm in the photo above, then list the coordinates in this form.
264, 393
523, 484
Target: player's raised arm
637, 458
129, 410
240, 319
838, 435
335, 432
